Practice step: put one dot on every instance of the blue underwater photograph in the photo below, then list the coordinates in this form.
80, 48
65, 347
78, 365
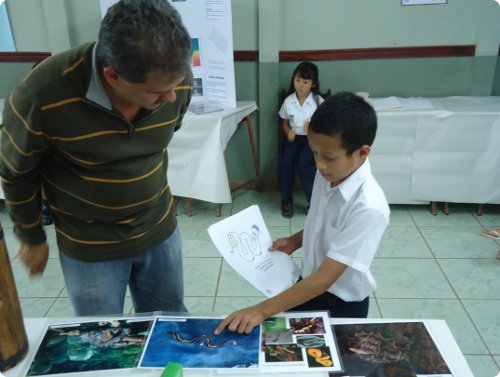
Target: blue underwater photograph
191, 342
90, 346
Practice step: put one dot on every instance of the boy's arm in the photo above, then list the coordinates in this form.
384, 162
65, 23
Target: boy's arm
243, 321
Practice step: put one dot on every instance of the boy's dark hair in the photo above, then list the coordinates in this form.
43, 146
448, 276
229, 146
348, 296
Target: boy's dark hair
138, 37
349, 116
307, 71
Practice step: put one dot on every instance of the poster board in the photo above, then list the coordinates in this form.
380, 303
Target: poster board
209, 23
6, 39
389, 349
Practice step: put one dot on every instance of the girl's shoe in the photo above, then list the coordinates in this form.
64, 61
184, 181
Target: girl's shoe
287, 209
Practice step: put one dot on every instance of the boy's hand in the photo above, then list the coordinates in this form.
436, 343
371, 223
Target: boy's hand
286, 245
242, 321
290, 135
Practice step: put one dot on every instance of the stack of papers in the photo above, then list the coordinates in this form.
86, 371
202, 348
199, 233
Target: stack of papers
204, 107
395, 103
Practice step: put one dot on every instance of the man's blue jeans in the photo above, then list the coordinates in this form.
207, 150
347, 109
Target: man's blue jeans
155, 279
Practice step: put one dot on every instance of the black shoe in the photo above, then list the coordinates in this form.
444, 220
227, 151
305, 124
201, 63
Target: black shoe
46, 214
287, 209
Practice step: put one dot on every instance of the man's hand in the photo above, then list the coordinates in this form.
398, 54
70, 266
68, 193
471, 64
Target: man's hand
34, 257
242, 321
290, 135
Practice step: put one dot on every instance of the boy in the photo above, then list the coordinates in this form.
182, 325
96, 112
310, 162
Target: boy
348, 215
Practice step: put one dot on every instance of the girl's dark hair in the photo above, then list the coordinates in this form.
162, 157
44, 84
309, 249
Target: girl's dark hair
349, 116
138, 37
307, 71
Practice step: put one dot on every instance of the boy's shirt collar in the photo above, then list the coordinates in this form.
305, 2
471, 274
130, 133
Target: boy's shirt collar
352, 183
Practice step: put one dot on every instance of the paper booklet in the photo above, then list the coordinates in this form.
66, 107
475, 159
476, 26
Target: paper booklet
290, 342
243, 240
392, 349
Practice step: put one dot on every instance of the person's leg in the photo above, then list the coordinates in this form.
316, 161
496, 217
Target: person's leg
156, 282
286, 176
307, 169
96, 288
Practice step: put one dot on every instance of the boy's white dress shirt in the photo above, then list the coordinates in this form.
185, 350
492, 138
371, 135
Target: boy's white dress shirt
346, 223
299, 115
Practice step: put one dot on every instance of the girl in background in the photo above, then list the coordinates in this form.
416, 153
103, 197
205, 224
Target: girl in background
302, 99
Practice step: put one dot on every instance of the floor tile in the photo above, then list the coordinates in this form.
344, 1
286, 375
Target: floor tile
226, 305
48, 285
458, 242
403, 242
232, 284
410, 278
196, 242
459, 216
486, 316
482, 366
36, 307
5, 219
373, 309
269, 206
451, 311
491, 216
201, 276
61, 309
400, 216
473, 278
200, 306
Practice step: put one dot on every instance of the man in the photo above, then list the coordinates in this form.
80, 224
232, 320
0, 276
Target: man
91, 125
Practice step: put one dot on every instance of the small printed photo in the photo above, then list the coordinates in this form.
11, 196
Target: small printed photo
314, 325
197, 87
310, 341
278, 337
279, 353
319, 357
274, 324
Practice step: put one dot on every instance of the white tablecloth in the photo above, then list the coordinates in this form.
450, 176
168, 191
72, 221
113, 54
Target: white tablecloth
196, 166
450, 153
35, 328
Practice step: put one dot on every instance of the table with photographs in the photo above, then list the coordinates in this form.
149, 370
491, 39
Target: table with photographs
438, 330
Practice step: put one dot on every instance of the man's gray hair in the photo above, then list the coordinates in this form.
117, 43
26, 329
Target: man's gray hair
138, 37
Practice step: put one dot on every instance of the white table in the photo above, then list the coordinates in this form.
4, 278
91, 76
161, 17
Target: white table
196, 164
450, 153
35, 328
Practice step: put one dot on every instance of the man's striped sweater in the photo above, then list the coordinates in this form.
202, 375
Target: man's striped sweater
105, 178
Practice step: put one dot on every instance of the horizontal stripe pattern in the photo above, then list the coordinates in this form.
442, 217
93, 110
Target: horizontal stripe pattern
105, 178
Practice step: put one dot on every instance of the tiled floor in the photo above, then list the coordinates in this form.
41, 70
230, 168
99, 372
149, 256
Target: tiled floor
427, 267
